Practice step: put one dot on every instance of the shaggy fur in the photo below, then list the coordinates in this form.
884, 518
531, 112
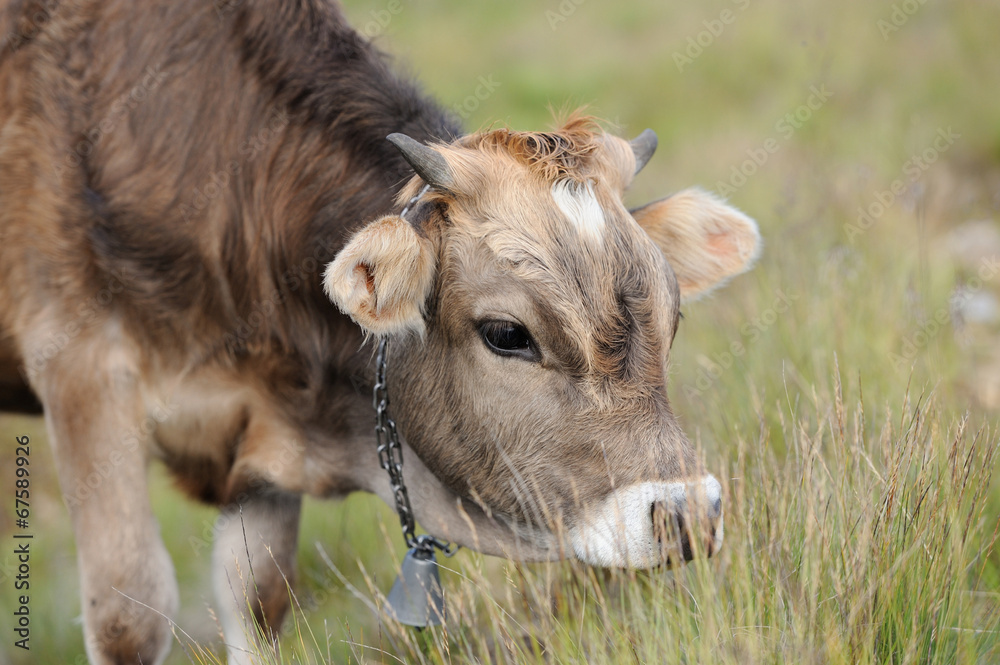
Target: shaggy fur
175, 177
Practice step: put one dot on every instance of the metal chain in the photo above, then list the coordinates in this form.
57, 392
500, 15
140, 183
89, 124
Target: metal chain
390, 456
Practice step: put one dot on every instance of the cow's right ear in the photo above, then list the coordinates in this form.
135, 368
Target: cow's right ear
383, 276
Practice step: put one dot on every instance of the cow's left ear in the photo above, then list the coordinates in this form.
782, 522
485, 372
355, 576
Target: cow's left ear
383, 276
705, 240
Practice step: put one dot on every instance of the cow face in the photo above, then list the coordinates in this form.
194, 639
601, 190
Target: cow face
532, 317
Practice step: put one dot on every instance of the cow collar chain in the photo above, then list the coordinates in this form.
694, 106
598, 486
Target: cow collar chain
390, 455
390, 452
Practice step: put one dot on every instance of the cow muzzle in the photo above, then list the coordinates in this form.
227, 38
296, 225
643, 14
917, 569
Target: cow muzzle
651, 524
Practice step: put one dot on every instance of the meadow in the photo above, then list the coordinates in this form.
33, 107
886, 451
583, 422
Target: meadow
846, 391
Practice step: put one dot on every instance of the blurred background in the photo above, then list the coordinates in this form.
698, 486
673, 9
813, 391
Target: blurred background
863, 136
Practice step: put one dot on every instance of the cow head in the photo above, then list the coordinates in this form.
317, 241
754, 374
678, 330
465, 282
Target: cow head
532, 317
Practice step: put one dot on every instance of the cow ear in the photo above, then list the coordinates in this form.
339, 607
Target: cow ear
383, 276
705, 240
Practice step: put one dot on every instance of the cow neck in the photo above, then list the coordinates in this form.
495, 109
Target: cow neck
390, 452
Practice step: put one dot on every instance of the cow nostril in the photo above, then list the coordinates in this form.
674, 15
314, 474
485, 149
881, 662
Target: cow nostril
713, 496
669, 527
685, 539
715, 507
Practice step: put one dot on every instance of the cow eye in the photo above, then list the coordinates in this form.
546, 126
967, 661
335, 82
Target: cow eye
506, 338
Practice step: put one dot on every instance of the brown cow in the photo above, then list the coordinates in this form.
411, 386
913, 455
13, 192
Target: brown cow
174, 179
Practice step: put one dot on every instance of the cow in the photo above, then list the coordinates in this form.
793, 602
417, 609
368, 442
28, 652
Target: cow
202, 239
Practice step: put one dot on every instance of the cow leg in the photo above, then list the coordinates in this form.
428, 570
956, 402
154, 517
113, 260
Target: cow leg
253, 593
99, 433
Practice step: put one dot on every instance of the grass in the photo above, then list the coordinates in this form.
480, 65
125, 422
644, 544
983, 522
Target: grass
869, 541
809, 574
856, 440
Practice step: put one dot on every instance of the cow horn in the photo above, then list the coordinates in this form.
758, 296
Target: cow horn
643, 146
427, 162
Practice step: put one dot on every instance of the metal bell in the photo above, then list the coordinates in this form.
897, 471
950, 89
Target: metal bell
416, 598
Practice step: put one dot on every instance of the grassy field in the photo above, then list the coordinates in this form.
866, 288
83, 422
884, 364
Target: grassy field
846, 391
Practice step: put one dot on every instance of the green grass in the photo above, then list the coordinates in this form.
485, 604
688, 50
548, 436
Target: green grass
810, 573
861, 511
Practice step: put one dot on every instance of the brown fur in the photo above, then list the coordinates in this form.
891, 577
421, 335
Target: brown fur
175, 178
552, 155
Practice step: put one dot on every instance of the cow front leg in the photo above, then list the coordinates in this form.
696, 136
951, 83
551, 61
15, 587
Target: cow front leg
253, 563
99, 434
